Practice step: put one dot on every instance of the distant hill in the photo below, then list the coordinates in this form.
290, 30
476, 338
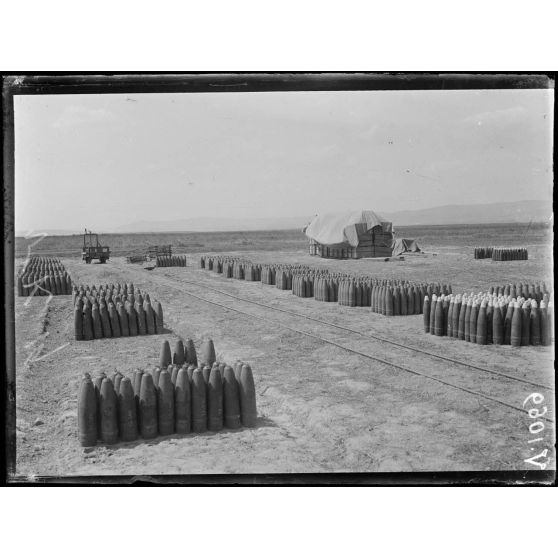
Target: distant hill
504, 212
202, 224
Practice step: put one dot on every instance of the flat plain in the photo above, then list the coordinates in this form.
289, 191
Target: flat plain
339, 389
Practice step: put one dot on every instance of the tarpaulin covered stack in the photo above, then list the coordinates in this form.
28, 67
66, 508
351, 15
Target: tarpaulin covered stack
350, 234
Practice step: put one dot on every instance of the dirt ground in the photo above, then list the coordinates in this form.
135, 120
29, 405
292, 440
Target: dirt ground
321, 408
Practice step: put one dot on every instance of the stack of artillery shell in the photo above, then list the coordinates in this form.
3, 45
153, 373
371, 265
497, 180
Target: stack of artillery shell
509, 254
501, 254
180, 398
492, 318
170, 261
136, 259
483, 253
121, 311
268, 274
252, 272
42, 276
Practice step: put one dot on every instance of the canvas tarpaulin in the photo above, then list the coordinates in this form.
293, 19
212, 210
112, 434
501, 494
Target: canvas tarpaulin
340, 228
401, 245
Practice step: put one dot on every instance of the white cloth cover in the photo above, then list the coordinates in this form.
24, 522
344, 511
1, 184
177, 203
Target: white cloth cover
338, 228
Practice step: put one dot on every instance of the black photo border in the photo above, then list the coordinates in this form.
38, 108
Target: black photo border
60, 83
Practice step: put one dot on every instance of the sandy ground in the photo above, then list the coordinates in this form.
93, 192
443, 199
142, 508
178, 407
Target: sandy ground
321, 408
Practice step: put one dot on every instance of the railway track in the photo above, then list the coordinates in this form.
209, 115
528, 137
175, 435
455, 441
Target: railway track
455, 377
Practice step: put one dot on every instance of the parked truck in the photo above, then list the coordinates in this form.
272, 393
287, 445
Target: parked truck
92, 249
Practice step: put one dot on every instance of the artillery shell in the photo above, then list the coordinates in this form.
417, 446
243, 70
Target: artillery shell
525, 325
148, 408
178, 353
155, 373
426, 314
208, 352
105, 320
165, 355
535, 325
467, 325
206, 371
174, 373
473, 322
114, 321
237, 370
87, 322
248, 411
182, 407
190, 353
132, 319
199, 405
96, 320
87, 413
149, 317
231, 399
109, 413
508, 322
516, 325
439, 318
127, 417
481, 328
123, 320
215, 400
136, 381
78, 322
116, 378
497, 326
158, 311
142, 326
165, 404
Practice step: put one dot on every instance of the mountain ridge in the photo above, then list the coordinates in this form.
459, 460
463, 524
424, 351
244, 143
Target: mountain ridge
452, 214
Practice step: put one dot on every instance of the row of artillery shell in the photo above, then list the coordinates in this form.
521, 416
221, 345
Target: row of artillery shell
35, 284
501, 254
387, 297
524, 290
481, 253
490, 320
509, 254
176, 400
99, 317
171, 261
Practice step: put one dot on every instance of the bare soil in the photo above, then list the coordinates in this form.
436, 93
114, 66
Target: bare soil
321, 407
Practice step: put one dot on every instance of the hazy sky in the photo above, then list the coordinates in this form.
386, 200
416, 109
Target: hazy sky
104, 161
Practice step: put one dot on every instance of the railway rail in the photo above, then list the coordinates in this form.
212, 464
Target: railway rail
175, 283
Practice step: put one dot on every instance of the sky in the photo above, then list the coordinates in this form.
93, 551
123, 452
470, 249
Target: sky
103, 161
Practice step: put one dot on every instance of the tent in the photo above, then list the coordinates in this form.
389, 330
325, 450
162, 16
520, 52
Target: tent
350, 234
402, 245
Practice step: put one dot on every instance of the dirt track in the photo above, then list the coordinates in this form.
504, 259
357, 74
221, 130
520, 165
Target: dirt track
321, 408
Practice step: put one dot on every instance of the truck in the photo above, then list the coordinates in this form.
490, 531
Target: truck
92, 249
